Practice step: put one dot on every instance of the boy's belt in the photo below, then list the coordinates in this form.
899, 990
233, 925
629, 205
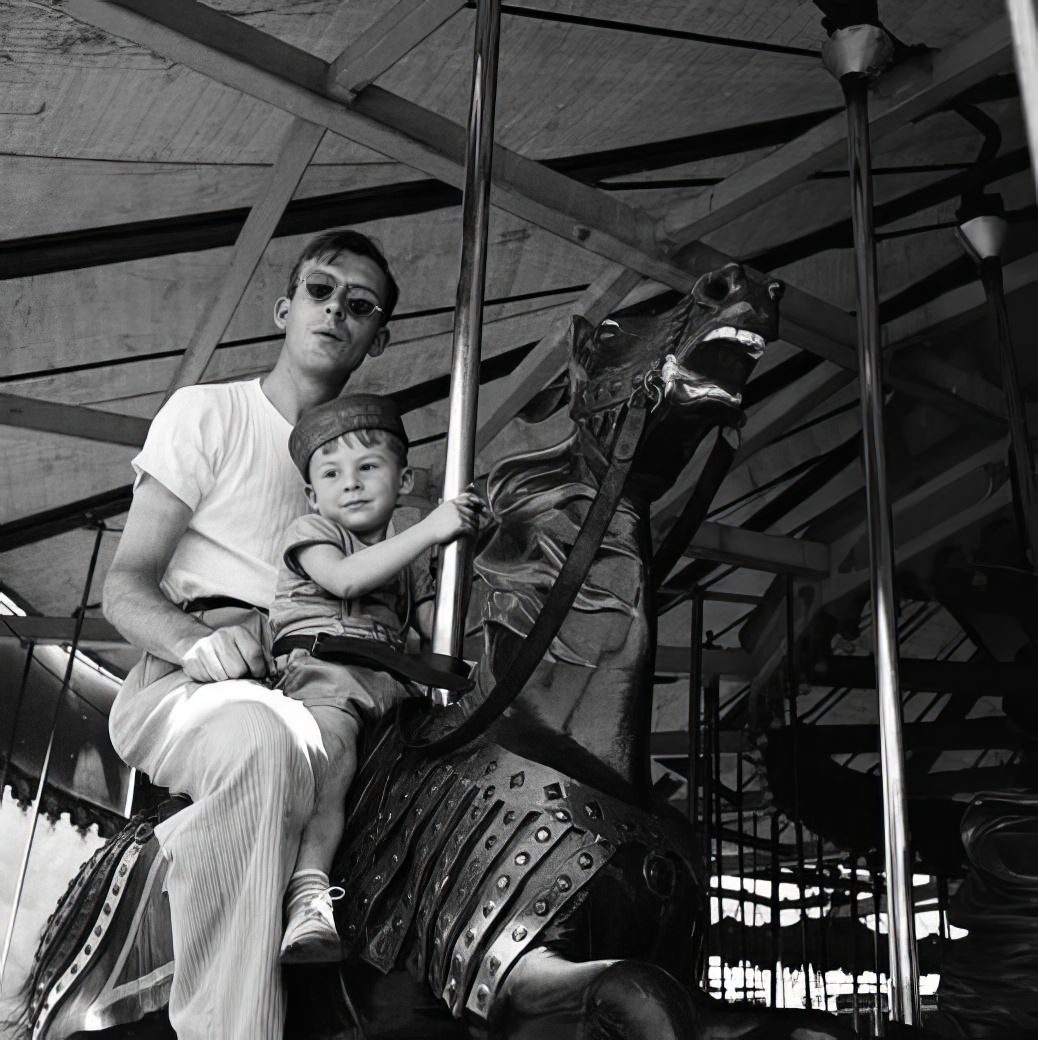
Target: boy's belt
426, 669
195, 606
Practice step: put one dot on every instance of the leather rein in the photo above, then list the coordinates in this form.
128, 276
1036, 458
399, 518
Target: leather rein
563, 592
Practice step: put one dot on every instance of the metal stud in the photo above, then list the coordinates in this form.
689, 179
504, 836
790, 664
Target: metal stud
482, 993
488, 907
585, 861
540, 908
522, 858
503, 882
490, 842
492, 965
509, 816
593, 810
562, 816
470, 937
542, 835
489, 791
517, 779
564, 884
520, 933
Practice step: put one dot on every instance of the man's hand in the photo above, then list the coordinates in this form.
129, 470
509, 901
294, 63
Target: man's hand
455, 517
227, 653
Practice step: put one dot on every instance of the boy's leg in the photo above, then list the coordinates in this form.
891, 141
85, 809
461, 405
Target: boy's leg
310, 933
321, 836
249, 758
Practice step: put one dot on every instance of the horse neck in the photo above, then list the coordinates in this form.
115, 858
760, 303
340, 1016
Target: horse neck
587, 707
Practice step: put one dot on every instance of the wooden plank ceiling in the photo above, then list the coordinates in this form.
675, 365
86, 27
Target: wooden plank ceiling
636, 148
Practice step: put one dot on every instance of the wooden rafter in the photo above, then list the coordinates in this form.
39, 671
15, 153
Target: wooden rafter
294, 80
905, 93
402, 28
93, 424
295, 151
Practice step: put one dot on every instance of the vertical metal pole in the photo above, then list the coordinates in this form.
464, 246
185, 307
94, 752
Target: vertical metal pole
45, 768
880, 1028
851, 54
695, 700
455, 559
856, 1024
741, 853
1023, 18
776, 923
1019, 439
30, 651
714, 702
798, 826
823, 944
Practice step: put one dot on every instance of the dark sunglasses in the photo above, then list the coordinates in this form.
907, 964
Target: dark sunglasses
320, 287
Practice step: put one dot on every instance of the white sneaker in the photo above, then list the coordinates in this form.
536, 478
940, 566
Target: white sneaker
310, 934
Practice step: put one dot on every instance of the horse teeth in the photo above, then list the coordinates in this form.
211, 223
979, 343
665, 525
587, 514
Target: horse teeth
748, 339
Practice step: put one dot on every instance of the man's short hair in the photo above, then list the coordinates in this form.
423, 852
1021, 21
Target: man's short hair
329, 244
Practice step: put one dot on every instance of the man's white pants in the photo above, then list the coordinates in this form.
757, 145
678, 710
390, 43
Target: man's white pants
251, 760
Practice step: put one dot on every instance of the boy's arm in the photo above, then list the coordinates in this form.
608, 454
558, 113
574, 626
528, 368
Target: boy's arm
135, 604
349, 576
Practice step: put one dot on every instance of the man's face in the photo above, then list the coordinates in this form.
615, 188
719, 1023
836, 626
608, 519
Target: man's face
324, 339
357, 485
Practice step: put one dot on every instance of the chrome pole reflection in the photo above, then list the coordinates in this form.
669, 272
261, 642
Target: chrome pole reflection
456, 558
852, 54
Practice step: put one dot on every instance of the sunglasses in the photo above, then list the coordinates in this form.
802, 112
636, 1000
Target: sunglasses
321, 287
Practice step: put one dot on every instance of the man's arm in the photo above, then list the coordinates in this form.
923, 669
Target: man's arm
135, 604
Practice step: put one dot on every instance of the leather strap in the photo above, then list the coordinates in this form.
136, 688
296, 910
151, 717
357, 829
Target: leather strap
196, 606
427, 669
531, 652
715, 469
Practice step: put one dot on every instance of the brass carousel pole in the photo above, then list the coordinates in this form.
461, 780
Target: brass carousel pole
852, 54
455, 559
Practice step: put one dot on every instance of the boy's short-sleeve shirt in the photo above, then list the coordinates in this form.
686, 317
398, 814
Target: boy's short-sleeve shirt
301, 606
222, 449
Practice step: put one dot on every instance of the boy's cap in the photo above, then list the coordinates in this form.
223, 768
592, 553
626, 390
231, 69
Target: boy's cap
343, 415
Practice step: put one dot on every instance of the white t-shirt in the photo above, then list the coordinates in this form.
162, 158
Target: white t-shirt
222, 449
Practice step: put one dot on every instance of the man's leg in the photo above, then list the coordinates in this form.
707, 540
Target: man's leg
249, 758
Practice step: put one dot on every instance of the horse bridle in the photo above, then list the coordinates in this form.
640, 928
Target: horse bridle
630, 425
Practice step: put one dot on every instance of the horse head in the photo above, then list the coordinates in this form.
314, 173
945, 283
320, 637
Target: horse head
692, 363
588, 701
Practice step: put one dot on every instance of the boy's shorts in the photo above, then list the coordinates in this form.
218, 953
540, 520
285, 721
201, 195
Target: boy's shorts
364, 693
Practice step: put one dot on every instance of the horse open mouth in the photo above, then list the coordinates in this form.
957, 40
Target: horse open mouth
726, 353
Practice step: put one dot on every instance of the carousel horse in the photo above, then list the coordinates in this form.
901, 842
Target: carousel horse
509, 871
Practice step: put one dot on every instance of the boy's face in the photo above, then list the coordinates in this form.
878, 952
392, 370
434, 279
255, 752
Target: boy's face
357, 486
324, 339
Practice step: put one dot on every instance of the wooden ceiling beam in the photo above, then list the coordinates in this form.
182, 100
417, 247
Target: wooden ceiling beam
233, 53
96, 634
763, 552
296, 149
905, 93
402, 28
72, 420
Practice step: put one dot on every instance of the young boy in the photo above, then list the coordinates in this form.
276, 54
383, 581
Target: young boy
341, 575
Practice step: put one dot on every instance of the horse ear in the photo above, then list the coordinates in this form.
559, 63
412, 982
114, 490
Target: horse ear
547, 401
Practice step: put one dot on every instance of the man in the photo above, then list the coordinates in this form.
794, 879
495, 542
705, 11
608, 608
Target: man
191, 580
